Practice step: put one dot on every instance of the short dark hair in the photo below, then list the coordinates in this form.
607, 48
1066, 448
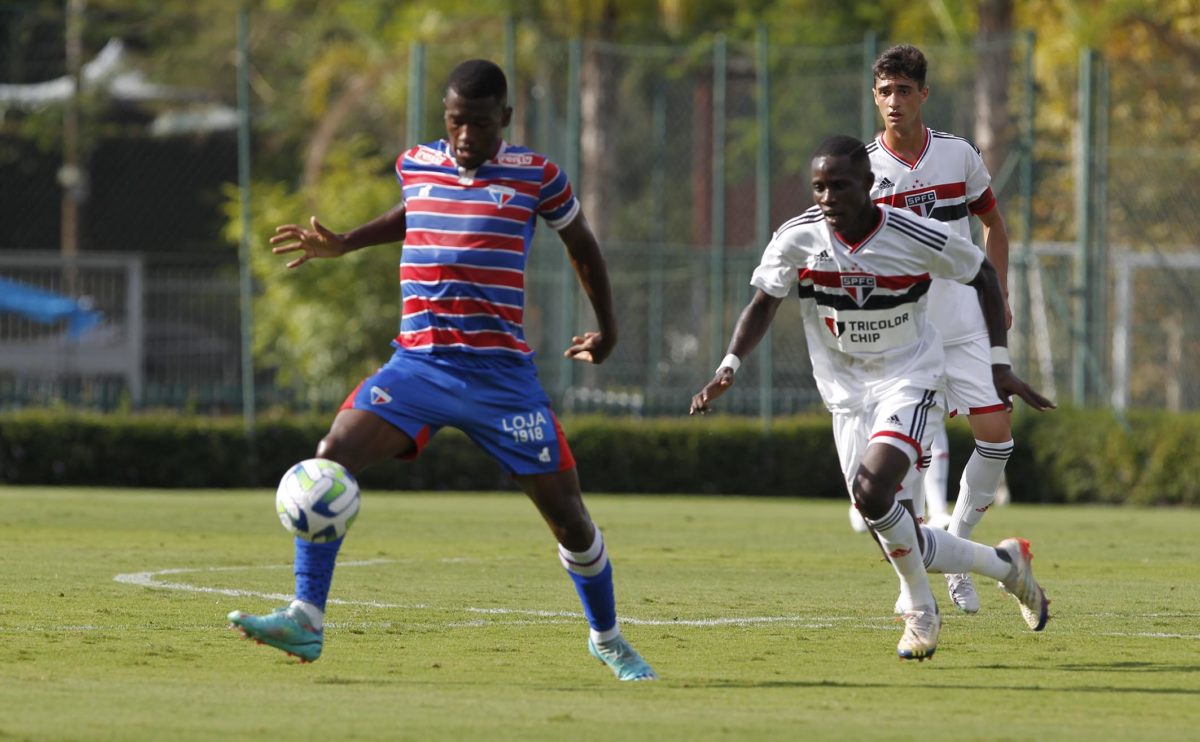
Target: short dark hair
844, 146
903, 60
478, 78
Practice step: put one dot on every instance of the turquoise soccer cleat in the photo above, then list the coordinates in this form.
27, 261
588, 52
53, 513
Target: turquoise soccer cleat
285, 628
622, 659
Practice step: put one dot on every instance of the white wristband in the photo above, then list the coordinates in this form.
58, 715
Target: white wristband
1000, 356
730, 361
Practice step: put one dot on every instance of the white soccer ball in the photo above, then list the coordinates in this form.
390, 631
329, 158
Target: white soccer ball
317, 500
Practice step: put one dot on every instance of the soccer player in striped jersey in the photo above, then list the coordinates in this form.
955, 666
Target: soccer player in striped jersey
863, 271
943, 177
469, 208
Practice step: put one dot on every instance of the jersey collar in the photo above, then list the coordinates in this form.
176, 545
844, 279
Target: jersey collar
896, 156
854, 247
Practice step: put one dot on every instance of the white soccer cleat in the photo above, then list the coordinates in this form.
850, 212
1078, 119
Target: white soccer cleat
921, 629
1035, 608
962, 592
857, 523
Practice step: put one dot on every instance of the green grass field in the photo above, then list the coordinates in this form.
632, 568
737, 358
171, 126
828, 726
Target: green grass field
767, 619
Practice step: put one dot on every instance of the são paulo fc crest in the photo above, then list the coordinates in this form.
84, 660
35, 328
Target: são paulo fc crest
501, 195
858, 286
921, 203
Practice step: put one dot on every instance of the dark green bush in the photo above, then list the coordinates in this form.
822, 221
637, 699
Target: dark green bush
1063, 456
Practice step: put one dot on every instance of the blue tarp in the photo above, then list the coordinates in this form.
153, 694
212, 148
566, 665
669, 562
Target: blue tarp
46, 307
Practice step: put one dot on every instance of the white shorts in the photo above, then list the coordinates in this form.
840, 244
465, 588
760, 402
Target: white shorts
900, 420
969, 387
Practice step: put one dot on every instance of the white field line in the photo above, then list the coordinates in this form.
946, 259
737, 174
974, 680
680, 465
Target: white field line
513, 616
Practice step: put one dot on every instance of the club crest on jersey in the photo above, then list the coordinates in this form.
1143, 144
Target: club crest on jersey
380, 396
921, 203
501, 195
858, 286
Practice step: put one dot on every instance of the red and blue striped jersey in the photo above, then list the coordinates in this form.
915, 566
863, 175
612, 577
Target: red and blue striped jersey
462, 270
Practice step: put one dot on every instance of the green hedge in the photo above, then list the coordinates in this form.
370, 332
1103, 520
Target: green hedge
1063, 456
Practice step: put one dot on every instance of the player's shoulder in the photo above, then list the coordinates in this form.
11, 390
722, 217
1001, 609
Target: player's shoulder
946, 140
802, 222
904, 223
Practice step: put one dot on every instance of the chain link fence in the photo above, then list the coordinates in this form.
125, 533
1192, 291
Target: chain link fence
685, 158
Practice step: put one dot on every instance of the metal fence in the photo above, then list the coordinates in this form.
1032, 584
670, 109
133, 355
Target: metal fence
685, 158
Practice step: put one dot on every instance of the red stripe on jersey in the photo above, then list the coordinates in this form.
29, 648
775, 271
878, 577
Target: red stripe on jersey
414, 304
466, 273
439, 207
833, 279
985, 203
490, 240
441, 336
943, 191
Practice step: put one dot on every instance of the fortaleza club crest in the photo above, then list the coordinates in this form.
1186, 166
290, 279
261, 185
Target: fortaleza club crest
858, 286
501, 195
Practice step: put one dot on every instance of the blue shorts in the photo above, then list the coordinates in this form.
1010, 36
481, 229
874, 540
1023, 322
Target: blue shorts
498, 403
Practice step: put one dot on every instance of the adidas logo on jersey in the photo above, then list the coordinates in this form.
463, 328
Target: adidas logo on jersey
894, 420
821, 257
884, 183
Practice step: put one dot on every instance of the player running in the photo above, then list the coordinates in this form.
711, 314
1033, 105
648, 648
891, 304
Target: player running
943, 177
863, 271
470, 204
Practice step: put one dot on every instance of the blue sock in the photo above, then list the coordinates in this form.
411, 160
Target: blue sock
314, 570
596, 594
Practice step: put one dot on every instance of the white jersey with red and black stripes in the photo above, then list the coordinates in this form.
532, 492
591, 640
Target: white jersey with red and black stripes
462, 270
947, 182
864, 304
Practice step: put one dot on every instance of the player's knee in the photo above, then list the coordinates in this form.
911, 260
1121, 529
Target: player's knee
873, 498
334, 448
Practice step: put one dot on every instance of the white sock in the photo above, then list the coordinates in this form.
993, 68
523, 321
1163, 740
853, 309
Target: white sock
977, 489
936, 476
946, 553
315, 615
602, 637
898, 535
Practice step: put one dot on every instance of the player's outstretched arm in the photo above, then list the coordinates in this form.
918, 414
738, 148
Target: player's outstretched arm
321, 242
592, 346
751, 326
991, 299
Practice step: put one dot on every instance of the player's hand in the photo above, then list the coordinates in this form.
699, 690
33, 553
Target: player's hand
591, 346
317, 242
713, 389
1007, 384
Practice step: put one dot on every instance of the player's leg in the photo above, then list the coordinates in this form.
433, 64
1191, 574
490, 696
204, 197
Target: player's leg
935, 476
898, 432
582, 552
970, 391
372, 426
510, 418
1009, 562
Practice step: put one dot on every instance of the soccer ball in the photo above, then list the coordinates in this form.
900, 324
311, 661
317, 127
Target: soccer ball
317, 500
